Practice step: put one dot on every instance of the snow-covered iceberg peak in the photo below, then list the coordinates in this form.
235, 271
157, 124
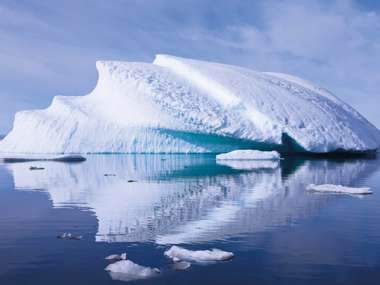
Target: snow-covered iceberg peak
178, 105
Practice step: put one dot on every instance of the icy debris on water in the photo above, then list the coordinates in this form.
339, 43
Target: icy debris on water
181, 265
36, 168
249, 154
62, 158
116, 257
68, 236
179, 253
127, 270
332, 188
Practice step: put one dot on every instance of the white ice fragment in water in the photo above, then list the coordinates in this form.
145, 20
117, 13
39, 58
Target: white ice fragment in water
180, 253
249, 164
181, 265
61, 158
331, 188
126, 270
69, 236
176, 259
249, 154
116, 257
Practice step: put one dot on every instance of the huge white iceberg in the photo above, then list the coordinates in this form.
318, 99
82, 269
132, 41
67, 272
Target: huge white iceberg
177, 105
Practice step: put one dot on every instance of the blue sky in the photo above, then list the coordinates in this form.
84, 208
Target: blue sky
49, 48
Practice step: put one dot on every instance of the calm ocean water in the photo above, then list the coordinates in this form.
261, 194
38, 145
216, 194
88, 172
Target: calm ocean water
280, 233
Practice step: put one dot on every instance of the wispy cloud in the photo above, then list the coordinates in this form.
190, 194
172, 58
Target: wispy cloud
49, 47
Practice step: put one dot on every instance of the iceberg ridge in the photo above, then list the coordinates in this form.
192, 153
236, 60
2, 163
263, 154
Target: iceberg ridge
178, 105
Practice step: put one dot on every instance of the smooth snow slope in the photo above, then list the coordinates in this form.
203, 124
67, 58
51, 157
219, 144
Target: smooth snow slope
178, 105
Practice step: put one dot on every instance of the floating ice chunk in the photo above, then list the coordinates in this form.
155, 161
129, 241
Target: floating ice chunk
249, 164
181, 265
69, 236
36, 168
61, 158
68, 158
116, 257
180, 253
248, 154
176, 259
126, 270
331, 188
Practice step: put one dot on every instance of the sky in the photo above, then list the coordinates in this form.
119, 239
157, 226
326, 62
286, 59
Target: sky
49, 48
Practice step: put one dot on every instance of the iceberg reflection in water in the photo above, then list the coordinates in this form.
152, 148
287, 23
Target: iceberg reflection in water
187, 198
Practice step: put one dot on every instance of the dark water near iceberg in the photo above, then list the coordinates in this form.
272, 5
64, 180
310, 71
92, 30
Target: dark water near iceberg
280, 233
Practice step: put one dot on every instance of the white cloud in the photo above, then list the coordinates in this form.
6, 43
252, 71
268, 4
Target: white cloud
51, 46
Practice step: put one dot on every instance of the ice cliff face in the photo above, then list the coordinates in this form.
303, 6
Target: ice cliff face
178, 105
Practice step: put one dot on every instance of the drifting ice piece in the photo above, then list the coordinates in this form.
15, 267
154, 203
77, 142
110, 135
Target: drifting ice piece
116, 257
62, 158
179, 253
178, 105
331, 188
250, 164
181, 265
248, 154
127, 270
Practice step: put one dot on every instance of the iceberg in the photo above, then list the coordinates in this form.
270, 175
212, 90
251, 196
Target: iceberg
180, 253
178, 105
249, 154
331, 188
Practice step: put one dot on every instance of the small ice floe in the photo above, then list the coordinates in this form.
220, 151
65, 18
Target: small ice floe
179, 253
68, 158
116, 257
126, 270
181, 265
36, 168
69, 236
61, 158
331, 188
250, 164
249, 154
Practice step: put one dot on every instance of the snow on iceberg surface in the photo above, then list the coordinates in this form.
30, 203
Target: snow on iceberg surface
178, 105
331, 188
180, 253
248, 154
